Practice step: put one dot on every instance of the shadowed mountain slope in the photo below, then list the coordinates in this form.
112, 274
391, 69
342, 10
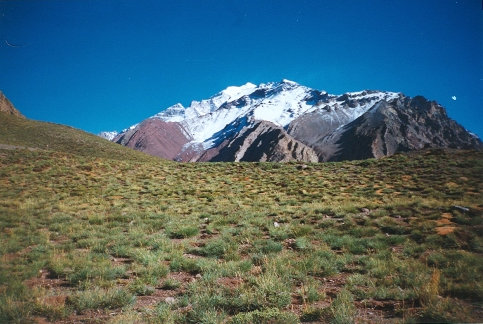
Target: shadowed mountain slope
263, 142
401, 125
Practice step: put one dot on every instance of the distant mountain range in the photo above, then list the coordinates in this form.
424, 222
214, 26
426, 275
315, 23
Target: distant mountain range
285, 121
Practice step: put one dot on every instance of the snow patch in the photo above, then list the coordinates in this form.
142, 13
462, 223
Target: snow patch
289, 82
108, 135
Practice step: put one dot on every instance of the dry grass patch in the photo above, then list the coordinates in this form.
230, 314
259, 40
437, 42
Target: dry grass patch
154, 241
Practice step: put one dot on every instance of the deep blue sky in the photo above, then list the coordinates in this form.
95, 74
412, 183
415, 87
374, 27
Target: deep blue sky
106, 64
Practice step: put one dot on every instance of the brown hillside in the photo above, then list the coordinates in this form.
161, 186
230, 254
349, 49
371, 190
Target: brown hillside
7, 107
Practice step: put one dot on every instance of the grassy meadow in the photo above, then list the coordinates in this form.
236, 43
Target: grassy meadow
123, 240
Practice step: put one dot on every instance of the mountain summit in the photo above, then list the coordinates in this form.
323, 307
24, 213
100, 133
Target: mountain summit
286, 121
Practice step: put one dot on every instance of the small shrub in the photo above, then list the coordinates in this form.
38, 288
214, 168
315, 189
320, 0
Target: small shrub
100, 298
215, 248
91, 271
268, 246
321, 263
343, 309
270, 315
171, 284
182, 264
14, 310
312, 314
164, 314
313, 294
129, 316
279, 233
182, 232
204, 316
153, 272
271, 291
302, 243
138, 287
429, 292
301, 230
120, 250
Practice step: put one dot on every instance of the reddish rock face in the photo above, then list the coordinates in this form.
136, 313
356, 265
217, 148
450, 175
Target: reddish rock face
156, 137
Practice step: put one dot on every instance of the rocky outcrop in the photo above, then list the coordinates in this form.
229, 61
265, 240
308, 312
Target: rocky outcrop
263, 141
312, 127
7, 107
155, 137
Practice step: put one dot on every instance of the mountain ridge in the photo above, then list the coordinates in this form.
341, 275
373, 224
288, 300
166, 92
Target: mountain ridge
308, 116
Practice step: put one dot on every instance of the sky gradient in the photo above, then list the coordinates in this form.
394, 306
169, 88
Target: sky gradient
107, 64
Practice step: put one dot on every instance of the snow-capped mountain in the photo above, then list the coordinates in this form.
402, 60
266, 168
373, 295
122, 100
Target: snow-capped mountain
276, 102
295, 121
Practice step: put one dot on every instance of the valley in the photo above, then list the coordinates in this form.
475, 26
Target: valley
95, 232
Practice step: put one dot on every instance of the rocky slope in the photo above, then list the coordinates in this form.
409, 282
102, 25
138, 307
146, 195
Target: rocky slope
155, 137
7, 107
263, 141
400, 125
285, 121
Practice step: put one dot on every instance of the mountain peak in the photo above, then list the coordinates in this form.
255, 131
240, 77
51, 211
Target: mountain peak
289, 82
304, 119
235, 92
